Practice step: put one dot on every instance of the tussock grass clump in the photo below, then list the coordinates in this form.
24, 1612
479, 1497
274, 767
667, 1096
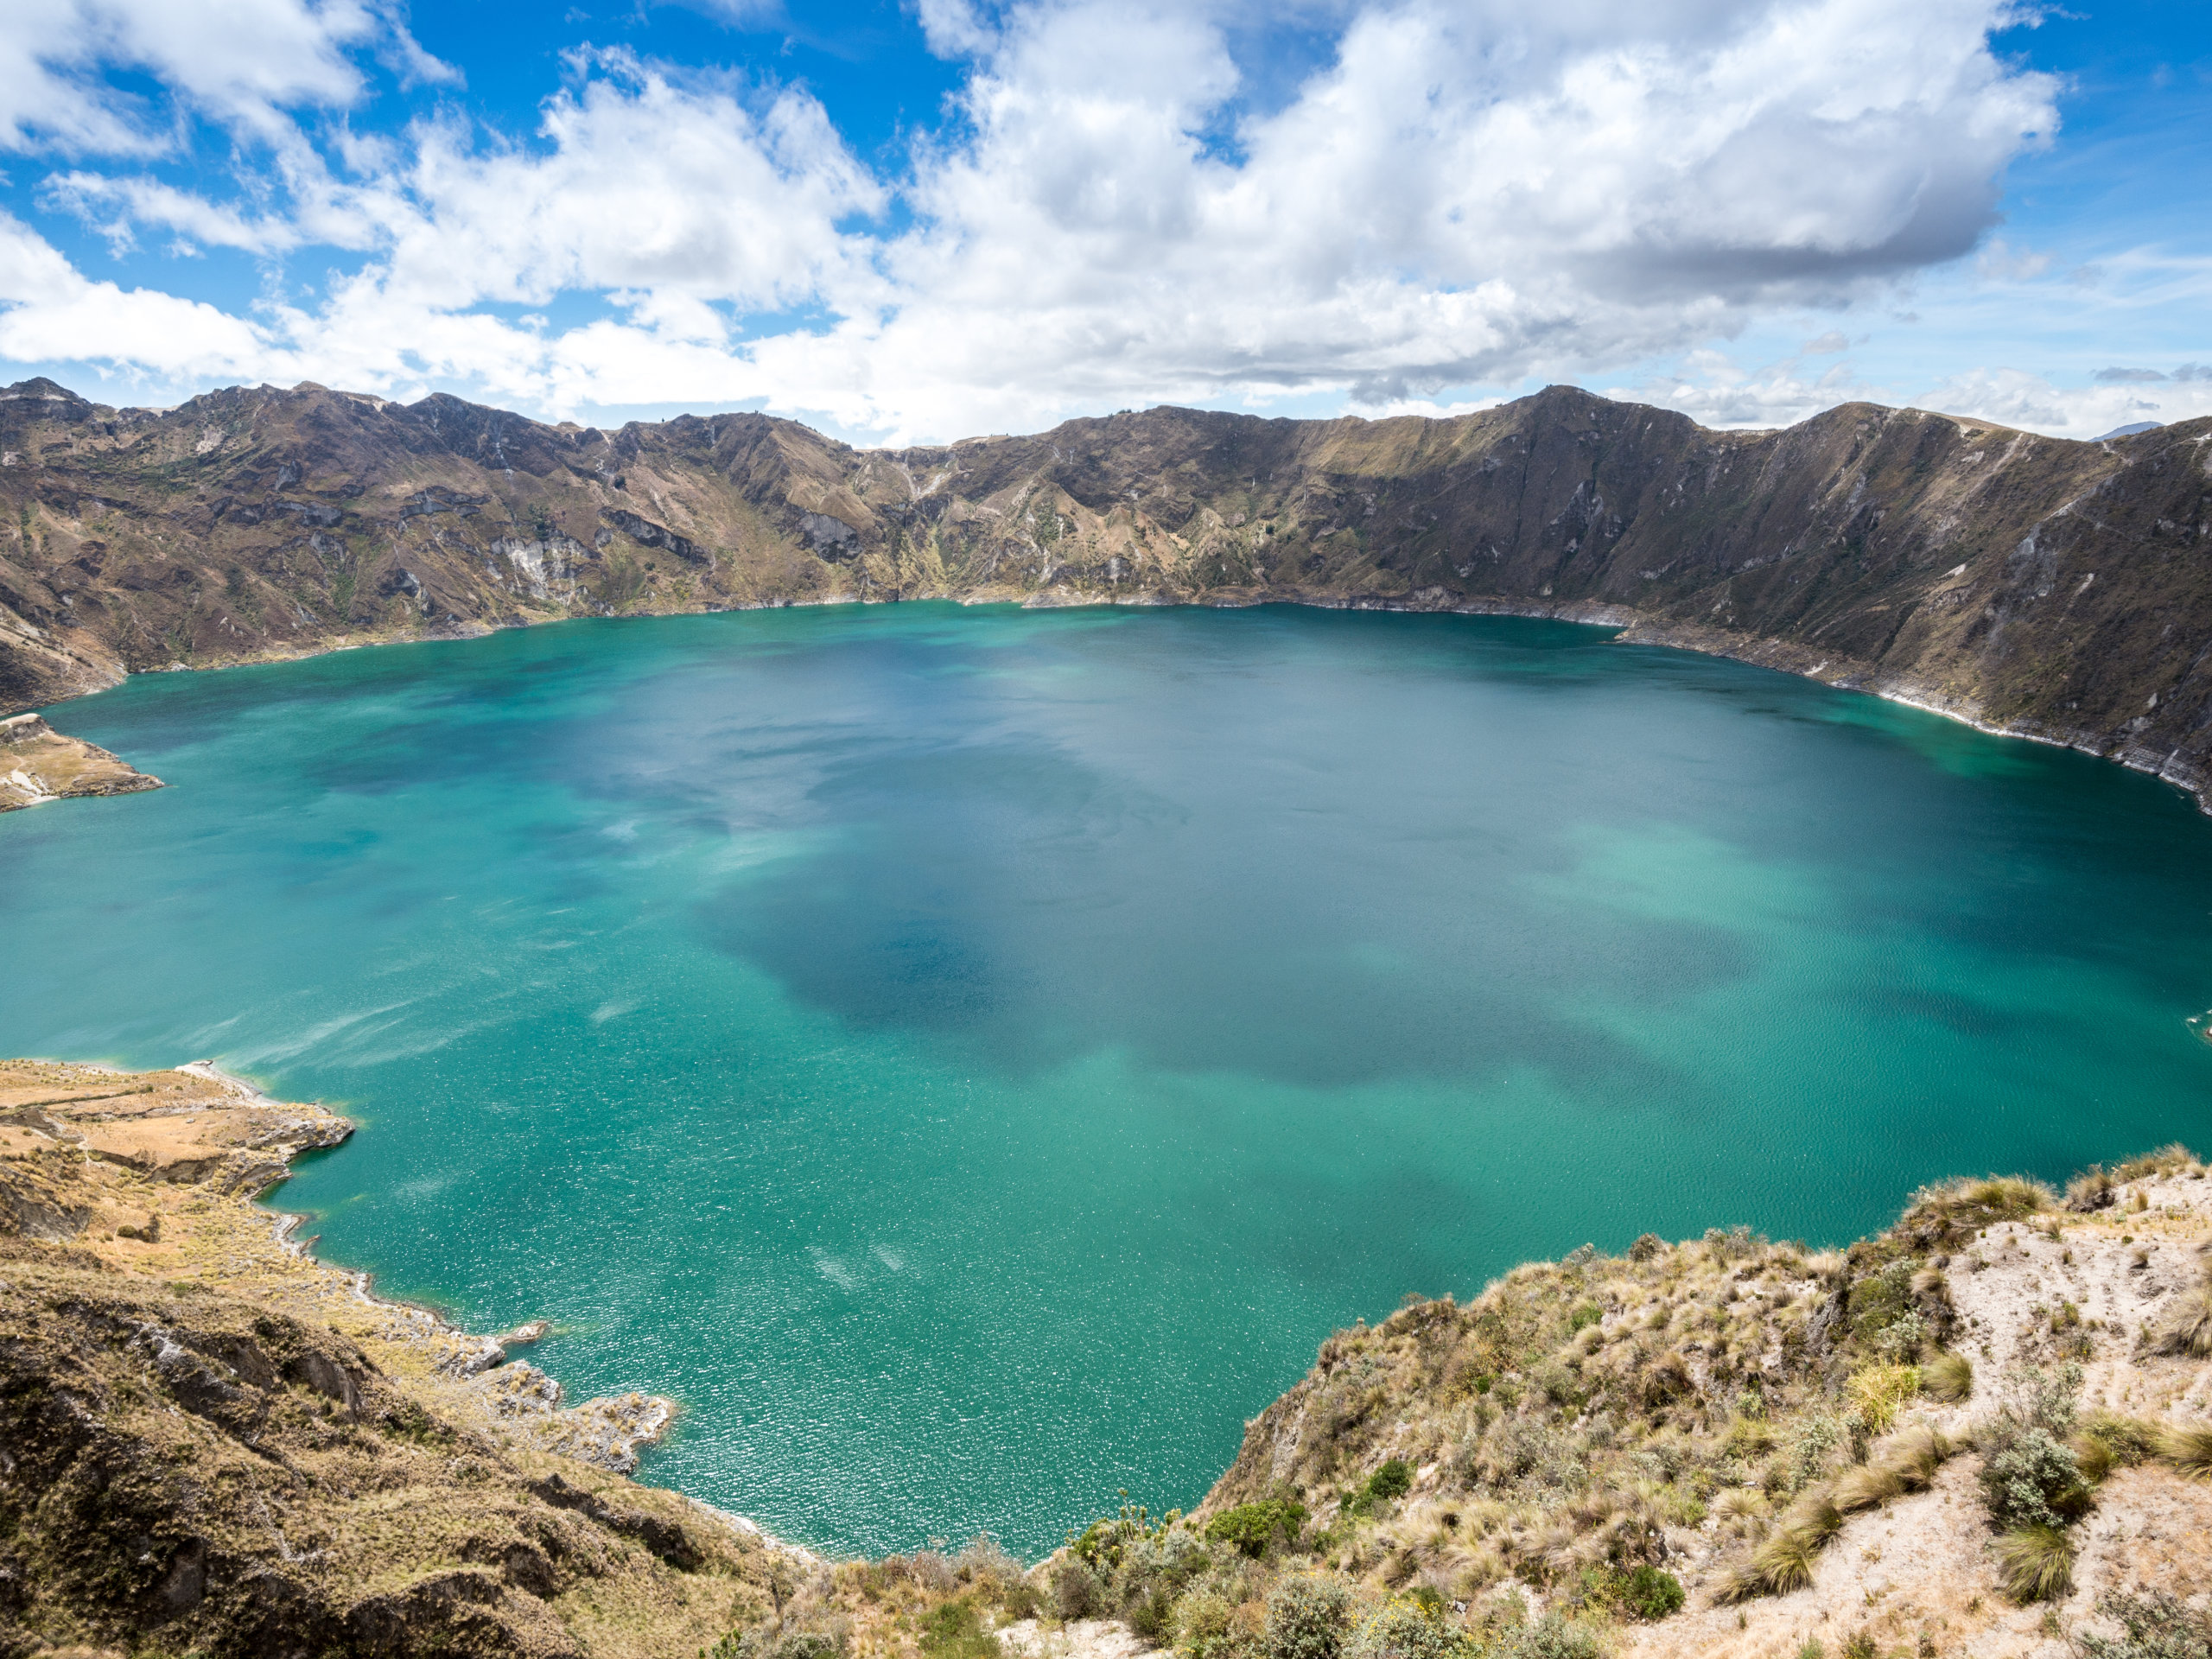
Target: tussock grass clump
1948, 1377
2187, 1327
2129, 1439
1956, 1209
2091, 1190
1785, 1563
2173, 1159
1877, 1392
1907, 1464
2035, 1563
2188, 1449
1867, 1486
1742, 1509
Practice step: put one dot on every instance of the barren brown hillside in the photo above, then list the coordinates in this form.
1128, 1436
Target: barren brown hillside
2052, 588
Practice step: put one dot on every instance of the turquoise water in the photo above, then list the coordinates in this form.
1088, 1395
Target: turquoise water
971, 1059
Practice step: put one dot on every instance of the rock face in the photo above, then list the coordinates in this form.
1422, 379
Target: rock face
2054, 588
38, 764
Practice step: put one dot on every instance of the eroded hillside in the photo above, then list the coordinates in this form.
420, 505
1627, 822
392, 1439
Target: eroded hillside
2053, 588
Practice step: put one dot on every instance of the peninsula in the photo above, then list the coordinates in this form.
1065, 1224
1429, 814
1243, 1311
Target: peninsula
38, 764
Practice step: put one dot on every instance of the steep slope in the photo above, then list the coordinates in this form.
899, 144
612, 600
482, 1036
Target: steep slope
2055, 588
1985, 1432
211, 1444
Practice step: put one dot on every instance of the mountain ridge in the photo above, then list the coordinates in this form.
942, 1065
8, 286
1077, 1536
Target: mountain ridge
2040, 587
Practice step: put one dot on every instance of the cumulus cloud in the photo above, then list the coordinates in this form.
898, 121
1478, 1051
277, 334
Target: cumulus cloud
243, 63
52, 312
1463, 195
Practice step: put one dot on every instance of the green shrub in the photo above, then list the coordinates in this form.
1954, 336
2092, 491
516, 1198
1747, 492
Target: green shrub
1075, 1590
810, 1641
1150, 1611
1205, 1623
1394, 1479
1402, 1629
954, 1629
2156, 1626
1252, 1528
1584, 1316
1308, 1617
1652, 1593
1552, 1636
2030, 1479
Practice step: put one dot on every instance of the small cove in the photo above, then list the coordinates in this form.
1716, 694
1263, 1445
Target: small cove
972, 1058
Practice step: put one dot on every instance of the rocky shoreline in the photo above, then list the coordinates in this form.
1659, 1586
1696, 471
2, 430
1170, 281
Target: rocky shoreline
38, 765
1724, 1449
201, 1143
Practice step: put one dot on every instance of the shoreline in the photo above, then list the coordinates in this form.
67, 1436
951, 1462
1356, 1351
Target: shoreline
197, 1147
1692, 1389
1634, 627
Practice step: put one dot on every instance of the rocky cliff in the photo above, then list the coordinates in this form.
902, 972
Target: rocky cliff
2054, 588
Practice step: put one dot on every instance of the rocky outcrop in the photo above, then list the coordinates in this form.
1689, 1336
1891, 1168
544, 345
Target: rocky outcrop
211, 1443
2050, 588
38, 764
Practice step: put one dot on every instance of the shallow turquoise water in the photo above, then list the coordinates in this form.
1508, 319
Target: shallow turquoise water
973, 1057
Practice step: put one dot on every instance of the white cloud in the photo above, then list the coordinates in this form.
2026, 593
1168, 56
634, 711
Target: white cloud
1467, 195
2000, 262
2014, 398
53, 313
243, 63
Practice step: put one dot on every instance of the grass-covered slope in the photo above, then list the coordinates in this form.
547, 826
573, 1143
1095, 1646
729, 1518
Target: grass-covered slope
2051, 587
1986, 1427
1985, 1432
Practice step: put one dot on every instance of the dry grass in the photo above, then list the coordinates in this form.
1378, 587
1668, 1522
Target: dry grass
1948, 1378
2035, 1564
1878, 1391
2173, 1159
1953, 1211
2187, 1328
2189, 1448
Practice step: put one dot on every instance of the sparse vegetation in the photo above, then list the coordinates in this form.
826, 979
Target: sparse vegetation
2154, 1626
1584, 1430
2188, 1448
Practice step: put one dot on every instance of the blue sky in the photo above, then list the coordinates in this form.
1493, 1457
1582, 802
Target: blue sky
916, 221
